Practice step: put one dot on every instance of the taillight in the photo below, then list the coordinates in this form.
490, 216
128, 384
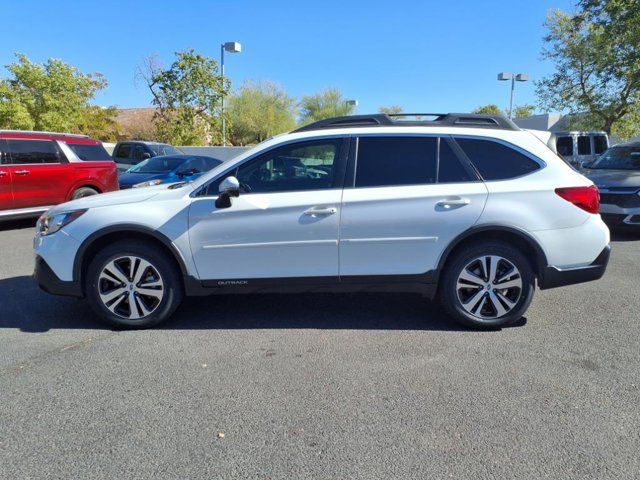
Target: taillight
586, 198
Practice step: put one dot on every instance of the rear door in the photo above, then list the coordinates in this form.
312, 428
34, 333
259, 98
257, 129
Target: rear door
410, 197
41, 174
6, 193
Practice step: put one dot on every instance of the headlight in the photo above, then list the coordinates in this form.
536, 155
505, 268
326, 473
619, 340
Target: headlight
147, 184
48, 224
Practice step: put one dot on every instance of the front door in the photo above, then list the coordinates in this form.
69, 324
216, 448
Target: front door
285, 221
411, 196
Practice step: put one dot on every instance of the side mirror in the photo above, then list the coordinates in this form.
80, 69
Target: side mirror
187, 173
586, 164
230, 187
146, 155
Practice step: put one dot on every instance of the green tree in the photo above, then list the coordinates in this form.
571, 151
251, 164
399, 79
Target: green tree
188, 96
53, 96
326, 104
259, 111
522, 111
391, 109
490, 109
596, 52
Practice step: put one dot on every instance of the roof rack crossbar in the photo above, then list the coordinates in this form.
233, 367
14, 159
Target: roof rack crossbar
38, 132
469, 120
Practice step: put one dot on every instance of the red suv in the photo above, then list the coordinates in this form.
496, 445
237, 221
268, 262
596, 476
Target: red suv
41, 169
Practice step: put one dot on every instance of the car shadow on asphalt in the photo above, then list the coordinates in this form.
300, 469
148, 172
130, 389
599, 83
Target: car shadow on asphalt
24, 306
625, 234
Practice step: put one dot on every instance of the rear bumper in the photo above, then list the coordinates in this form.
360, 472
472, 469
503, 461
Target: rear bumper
49, 282
553, 277
621, 220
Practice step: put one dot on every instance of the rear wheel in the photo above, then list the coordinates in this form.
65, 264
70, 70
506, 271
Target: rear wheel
487, 285
83, 192
133, 284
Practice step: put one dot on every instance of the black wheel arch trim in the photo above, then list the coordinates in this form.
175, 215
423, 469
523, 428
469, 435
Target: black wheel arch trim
91, 239
541, 258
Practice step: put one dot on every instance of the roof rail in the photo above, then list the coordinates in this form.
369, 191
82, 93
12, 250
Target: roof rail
469, 120
36, 132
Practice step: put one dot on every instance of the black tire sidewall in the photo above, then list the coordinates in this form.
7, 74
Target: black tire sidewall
166, 268
449, 294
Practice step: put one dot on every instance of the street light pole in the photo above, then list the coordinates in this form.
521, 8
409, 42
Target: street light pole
231, 47
518, 77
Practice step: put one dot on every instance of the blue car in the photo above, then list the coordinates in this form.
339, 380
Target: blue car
166, 169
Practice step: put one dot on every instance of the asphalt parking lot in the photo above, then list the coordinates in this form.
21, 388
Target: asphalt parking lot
320, 386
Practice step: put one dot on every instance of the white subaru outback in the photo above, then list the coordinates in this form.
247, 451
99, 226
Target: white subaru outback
468, 209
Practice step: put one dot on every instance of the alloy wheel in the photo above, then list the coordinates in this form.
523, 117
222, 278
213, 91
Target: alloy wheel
489, 287
130, 287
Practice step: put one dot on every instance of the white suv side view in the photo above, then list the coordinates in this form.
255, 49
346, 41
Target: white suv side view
465, 208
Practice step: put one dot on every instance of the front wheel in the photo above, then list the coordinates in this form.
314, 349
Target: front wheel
487, 285
133, 285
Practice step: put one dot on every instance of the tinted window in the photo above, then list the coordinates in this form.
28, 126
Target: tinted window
90, 152
123, 151
32, 151
139, 153
495, 161
300, 166
387, 161
564, 146
600, 144
584, 145
201, 164
450, 170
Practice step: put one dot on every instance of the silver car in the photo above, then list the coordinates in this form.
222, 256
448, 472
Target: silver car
616, 173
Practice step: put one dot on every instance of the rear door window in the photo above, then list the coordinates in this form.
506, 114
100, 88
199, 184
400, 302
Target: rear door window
392, 161
32, 151
600, 144
496, 161
450, 170
584, 145
564, 146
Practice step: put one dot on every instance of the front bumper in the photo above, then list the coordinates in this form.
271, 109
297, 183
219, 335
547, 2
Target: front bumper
49, 282
553, 277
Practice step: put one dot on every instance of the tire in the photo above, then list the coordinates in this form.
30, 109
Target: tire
154, 290
84, 192
472, 299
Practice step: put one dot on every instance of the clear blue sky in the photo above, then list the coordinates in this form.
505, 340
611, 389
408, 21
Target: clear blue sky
429, 55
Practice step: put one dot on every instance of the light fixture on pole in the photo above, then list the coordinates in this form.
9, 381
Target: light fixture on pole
514, 77
231, 47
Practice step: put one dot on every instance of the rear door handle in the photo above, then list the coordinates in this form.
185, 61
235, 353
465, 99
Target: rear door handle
320, 211
21, 172
453, 202
3, 173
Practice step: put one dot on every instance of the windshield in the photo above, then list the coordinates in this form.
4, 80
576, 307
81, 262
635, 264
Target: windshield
619, 158
164, 149
158, 165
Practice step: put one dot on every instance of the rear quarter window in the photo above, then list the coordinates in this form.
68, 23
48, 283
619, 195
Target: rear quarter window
496, 161
90, 152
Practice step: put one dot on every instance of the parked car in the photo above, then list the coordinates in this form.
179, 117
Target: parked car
132, 152
166, 169
616, 173
40, 169
579, 148
468, 209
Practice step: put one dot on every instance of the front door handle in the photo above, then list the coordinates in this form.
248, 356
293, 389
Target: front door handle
453, 202
21, 172
320, 211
